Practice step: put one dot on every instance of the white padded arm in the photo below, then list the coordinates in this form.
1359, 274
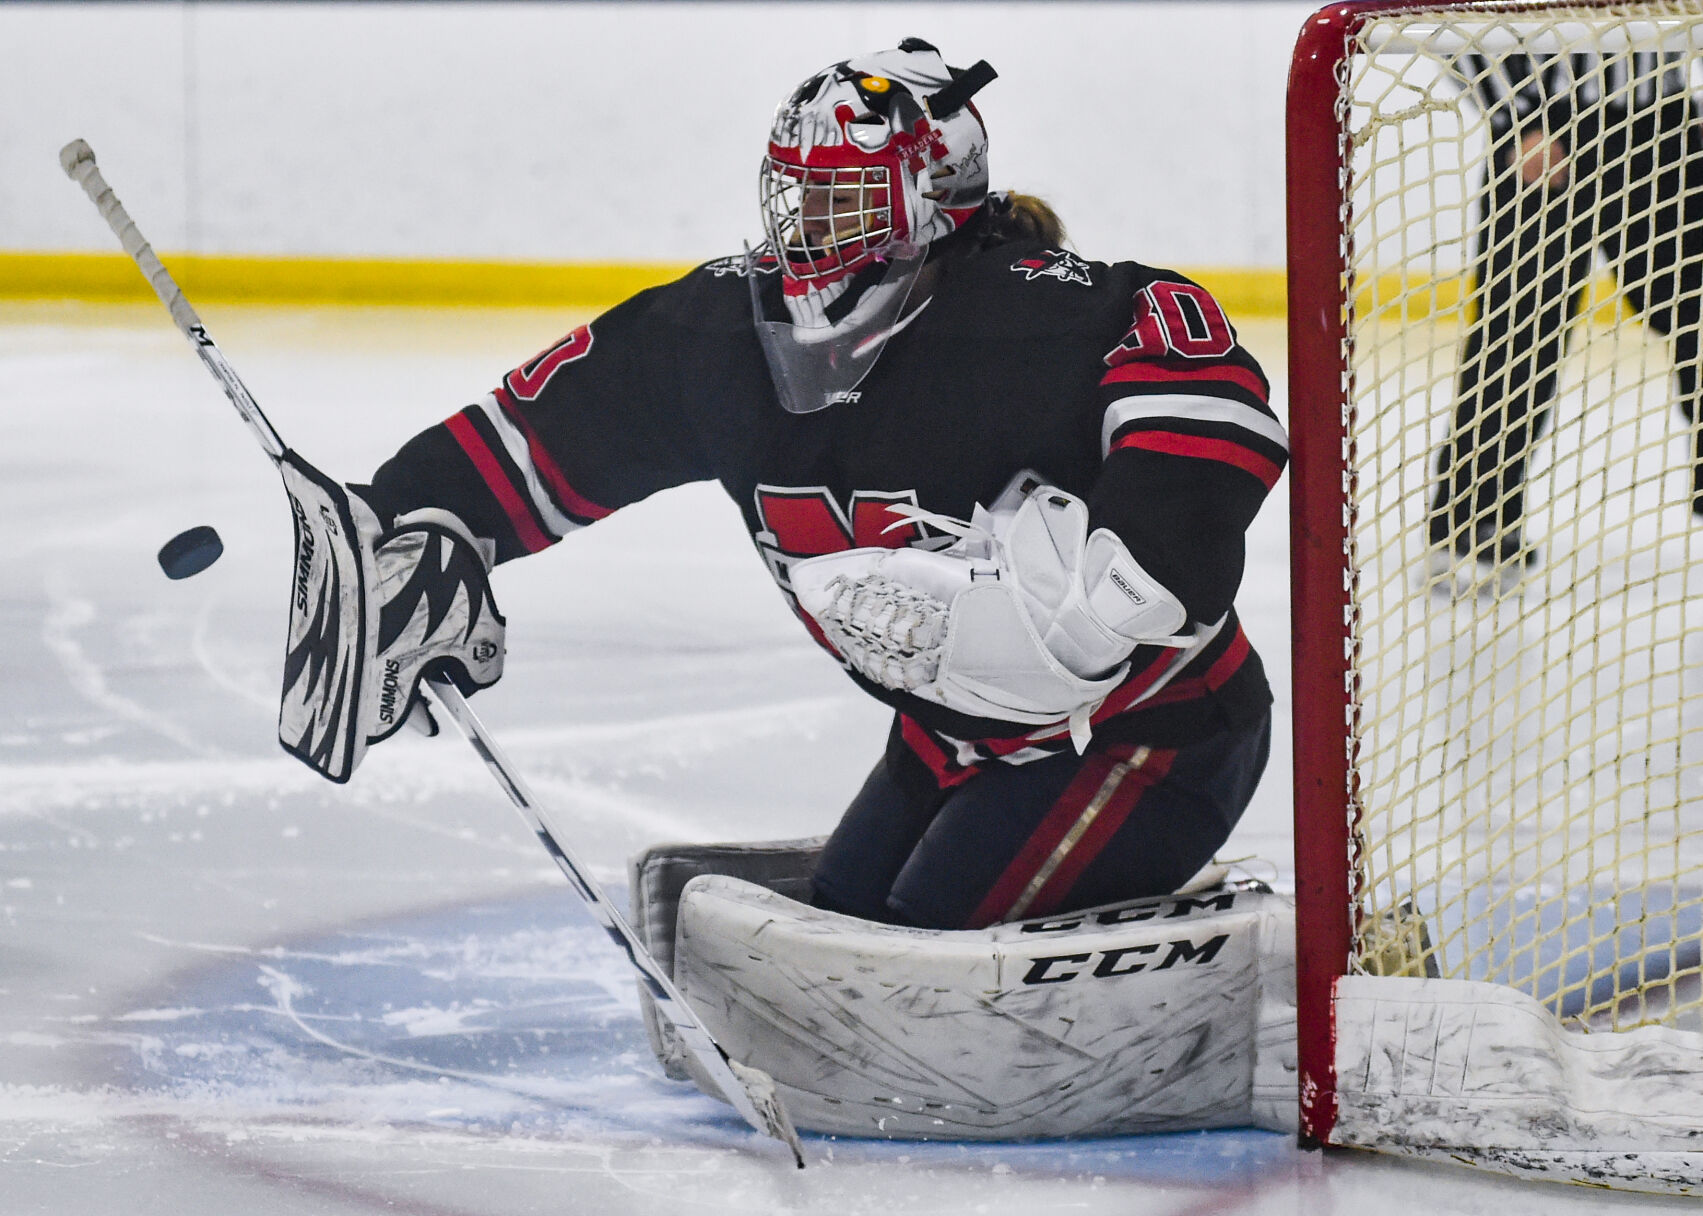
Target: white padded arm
1091, 602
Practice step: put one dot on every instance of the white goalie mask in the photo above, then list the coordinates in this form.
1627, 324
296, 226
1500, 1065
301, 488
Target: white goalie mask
869, 161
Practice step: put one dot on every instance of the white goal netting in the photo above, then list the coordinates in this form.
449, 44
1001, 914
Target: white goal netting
1525, 238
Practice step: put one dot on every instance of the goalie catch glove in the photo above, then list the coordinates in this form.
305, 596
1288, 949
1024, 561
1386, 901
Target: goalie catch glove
1027, 618
373, 611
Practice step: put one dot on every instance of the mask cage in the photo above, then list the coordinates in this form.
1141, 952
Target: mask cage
826, 222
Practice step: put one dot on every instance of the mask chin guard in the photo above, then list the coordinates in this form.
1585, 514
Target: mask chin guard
815, 366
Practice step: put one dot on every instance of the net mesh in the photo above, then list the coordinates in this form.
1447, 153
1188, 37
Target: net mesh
1525, 241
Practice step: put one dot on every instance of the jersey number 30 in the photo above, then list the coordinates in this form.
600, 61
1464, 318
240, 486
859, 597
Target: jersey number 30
528, 380
1175, 319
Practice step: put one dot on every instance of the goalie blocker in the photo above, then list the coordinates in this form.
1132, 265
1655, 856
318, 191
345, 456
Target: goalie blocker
1165, 1014
373, 611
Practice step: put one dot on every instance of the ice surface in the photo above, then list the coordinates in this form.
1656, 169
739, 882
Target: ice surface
227, 986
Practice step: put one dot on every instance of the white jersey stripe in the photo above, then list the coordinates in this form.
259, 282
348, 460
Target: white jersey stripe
1191, 409
514, 443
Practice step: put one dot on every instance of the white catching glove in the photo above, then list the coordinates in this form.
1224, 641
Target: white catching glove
373, 611
1027, 618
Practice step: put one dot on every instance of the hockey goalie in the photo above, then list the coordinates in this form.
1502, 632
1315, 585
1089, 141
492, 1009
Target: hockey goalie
1006, 487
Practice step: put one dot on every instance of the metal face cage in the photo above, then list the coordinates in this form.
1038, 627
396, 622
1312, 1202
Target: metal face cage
826, 222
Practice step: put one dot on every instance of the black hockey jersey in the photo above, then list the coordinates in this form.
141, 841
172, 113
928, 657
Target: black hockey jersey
1122, 384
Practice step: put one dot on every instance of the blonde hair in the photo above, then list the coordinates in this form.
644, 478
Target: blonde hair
1010, 216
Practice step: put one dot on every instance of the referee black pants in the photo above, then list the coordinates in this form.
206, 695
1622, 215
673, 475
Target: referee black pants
1536, 249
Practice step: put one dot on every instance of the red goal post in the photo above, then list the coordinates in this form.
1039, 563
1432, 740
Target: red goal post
1318, 372
1498, 765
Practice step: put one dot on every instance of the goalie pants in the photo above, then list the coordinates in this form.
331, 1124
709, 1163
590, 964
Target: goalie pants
1068, 832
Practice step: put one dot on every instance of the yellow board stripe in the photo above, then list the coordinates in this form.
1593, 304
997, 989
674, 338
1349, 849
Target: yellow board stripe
284, 280
1245, 293
296, 281
1391, 297
279, 280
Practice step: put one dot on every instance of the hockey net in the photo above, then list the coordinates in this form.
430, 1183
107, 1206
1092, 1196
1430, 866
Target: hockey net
1499, 623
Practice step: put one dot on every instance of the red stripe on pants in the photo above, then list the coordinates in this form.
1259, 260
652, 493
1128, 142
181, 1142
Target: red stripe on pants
1100, 832
1072, 834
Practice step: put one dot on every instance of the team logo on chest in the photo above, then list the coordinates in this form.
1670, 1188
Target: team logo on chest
808, 521
1058, 264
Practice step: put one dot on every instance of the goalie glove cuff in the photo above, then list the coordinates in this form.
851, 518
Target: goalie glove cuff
373, 611
1090, 601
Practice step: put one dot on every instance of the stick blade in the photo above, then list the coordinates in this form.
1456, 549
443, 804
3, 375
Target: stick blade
759, 1086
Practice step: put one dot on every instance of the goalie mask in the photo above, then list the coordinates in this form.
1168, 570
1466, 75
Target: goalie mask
869, 162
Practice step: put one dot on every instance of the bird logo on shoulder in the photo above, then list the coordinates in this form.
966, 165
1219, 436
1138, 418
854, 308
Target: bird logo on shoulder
1058, 264
743, 265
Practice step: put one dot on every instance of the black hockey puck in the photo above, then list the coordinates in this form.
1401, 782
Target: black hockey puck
191, 552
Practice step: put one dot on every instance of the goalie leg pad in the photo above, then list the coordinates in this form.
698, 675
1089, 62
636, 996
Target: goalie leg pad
657, 876
1165, 1014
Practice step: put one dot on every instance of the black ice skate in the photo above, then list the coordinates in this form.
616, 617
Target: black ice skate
1483, 559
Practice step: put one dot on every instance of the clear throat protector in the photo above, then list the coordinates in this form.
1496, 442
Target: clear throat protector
824, 348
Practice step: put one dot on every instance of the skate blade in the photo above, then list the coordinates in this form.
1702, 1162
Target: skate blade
1461, 578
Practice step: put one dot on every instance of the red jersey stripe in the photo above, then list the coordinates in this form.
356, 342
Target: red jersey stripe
1223, 667
946, 773
1144, 372
1127, 694
532, 538
1120, 699
571, 500
1133, 689
1199, 447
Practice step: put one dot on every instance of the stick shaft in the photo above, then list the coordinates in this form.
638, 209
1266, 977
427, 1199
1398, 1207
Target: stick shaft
78, 161
762, 1111
750, 1091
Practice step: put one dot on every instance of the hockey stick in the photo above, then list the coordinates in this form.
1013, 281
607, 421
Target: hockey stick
750, 1090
